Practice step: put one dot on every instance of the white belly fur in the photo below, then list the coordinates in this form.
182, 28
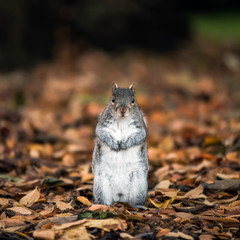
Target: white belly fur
124, 176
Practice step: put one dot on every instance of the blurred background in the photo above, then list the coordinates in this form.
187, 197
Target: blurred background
58, 60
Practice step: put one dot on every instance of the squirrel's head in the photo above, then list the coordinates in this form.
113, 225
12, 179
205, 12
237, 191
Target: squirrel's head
123, 100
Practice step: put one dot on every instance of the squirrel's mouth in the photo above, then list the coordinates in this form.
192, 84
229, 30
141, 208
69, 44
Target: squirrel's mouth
123, 112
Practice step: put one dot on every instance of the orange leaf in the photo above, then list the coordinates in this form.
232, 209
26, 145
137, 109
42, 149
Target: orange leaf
84, 201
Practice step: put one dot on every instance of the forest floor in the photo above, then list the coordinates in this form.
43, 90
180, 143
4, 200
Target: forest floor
47, 119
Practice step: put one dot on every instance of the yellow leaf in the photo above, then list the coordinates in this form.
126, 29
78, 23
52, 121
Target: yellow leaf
165, 203
84, 201
30, 198
157, 205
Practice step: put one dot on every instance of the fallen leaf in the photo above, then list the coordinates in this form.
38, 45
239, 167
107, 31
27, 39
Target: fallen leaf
195, 193
126, 236
96, 207
107, 224
84, 201
68, 160
30, 198
4, 201
184, 215
179, 235
62, 205
228, 176
20, 210
162, 172
162, 232
14, 221
163, 184
206, 237
68, 225
76, 233
61, 219
47, 234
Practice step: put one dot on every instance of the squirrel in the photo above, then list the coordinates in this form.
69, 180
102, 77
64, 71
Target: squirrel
120, 159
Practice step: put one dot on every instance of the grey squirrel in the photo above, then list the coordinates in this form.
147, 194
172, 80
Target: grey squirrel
120, 159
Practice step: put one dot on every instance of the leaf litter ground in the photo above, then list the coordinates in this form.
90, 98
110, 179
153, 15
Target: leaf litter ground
47, 122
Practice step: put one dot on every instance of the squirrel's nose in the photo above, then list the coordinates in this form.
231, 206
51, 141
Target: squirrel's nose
123, 110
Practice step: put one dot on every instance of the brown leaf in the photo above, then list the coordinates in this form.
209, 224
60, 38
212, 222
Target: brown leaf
126, 236
62, 205
20, 210
14, 221
68, 160
30, 198
76, 233
107, 224
68, 225
161, 173
184, 215
179, 235
4, 201
206, 237
219, 219
47, 234
195, 193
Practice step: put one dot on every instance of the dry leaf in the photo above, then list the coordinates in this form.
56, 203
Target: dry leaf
76, 233
21, 210
195, 193
68, 160
162, 232
179, 235
62, 205
14, 221
163, 184
107, 224
4, 201
126, 236
47, 234
67, 225
84, 201
206, 237
30, 198
228, 176
96, 207
184, 215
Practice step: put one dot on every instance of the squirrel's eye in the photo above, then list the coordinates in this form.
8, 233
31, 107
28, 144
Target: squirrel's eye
113, 100
133, 100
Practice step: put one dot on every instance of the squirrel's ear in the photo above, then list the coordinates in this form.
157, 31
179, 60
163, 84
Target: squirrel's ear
114, 86
133, 87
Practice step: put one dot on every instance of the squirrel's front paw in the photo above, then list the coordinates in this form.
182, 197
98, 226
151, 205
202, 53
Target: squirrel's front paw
115, 146
123, 145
